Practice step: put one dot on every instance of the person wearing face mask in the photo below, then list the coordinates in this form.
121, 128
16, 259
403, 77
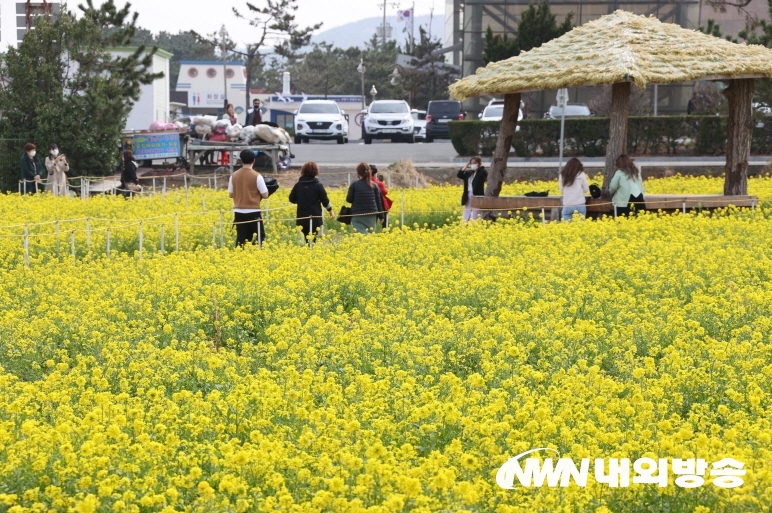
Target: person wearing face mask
57, 167
474, 176
31, 170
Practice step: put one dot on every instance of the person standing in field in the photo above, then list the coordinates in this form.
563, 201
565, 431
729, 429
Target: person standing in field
384, 198
247, 188
310, 196
57, 167
626, 187
474, 176
573, 184
365, 199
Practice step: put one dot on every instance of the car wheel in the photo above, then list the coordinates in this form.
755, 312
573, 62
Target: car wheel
341, 140
298, 140
429, 139
345, 140
368, 140
410, 139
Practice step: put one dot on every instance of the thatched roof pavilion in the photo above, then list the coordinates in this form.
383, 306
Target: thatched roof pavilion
622, 49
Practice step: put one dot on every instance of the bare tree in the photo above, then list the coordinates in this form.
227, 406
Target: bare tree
274, 21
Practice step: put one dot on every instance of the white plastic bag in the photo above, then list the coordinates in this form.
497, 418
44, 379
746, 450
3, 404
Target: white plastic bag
204, 120
203, 130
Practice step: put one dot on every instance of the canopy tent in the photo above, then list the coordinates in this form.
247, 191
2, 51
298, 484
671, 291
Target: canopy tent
622, 49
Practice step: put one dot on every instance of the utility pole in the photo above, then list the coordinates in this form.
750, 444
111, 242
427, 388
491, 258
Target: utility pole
383, 26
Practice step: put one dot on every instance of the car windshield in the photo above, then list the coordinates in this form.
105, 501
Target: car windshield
418, 116
388, 108
495, 111
571, 110
318, 108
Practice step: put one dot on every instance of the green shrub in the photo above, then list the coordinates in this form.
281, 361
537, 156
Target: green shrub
588, 137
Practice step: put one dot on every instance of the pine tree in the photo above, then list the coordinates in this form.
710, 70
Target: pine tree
537, 26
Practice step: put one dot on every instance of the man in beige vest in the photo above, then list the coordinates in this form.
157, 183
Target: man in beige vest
247, 187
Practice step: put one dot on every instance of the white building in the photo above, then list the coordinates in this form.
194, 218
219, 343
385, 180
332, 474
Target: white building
16, 16
153, 103
203, 82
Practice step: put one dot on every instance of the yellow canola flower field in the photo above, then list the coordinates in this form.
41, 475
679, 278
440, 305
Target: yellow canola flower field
201, 218
395, 372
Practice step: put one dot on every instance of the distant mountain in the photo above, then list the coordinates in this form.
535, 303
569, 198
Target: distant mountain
359, 32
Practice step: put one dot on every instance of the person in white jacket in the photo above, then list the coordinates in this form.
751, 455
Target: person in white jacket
57, 167
573, 185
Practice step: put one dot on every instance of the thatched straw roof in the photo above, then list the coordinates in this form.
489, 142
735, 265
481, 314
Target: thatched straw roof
617, 48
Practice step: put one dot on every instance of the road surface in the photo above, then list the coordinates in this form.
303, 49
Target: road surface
380, 153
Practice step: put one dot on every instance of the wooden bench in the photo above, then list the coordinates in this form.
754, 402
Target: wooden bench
548, 208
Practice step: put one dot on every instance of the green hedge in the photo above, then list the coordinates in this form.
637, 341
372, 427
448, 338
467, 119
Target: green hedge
588, 137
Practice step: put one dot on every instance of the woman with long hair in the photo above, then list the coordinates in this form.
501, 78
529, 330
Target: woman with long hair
626, 187
230, 114
474, 176
366, 201
309, 195
573, 184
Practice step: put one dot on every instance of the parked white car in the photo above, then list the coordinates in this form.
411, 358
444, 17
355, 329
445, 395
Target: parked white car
388, 119
320, 119
494, 111
419, 124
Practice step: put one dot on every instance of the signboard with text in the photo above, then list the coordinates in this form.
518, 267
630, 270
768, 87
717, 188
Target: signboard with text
156, 146
204, 100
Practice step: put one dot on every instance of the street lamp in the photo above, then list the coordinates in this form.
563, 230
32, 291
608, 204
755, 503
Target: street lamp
224, 48
373, 92
395, 76
361, 71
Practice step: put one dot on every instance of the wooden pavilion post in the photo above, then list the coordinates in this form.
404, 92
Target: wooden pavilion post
739, 133
617, 142
503, 144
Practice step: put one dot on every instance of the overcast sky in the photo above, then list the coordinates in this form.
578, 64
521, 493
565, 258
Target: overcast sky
206, 16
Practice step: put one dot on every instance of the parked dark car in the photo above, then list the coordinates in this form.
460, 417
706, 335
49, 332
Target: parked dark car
438, 114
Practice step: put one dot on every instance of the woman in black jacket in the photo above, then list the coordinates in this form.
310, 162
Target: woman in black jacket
129, 180
366, 201
474, 176
31, 170
309, 195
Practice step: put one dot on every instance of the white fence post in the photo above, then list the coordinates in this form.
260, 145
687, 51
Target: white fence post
26, 246
107, 241
402, 207
141, 239
163, 240
176, 232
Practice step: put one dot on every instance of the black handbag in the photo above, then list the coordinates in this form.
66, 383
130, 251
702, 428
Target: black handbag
272, 184
345, 215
